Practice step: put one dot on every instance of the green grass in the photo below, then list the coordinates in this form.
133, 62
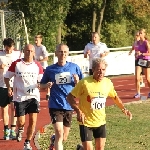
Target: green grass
122, 134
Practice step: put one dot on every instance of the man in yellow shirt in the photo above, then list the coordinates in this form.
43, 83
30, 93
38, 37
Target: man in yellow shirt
92, 92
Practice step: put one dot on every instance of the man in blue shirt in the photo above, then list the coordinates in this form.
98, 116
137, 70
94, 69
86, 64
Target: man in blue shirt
61, 78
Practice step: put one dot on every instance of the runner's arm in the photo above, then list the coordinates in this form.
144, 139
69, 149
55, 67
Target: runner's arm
119, 103
2, 66
47, 85
10, 92
130, 52
148, 50
86, 52
44, 59
6, 80
72, 102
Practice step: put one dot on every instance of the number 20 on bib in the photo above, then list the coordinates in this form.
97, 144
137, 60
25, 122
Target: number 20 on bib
63, 78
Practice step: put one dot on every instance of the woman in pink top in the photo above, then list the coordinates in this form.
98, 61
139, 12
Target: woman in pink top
142, 61
135, 47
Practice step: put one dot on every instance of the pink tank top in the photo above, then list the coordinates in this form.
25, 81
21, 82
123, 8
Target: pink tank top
143, 49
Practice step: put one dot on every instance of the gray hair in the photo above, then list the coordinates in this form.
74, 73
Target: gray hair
59, 45
97, 61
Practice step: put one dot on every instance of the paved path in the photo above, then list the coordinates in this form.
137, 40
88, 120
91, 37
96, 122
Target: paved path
124, 86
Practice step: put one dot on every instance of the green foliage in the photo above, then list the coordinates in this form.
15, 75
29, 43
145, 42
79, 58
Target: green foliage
122, 18
118, 34
42, 17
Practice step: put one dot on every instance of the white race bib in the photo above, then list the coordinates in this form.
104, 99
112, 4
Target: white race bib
142, 62
98, 103
63, 78
30, 90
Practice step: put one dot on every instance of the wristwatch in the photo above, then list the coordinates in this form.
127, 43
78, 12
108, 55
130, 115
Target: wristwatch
123, 109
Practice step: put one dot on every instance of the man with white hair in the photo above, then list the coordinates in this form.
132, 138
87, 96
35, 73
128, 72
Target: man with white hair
92, 92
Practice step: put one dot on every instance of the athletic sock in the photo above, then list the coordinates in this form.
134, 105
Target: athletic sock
27, 141
6, 127
13, 126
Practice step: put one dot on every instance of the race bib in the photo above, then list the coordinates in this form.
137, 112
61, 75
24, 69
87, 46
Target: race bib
63, 78
142, 62
98, 103
30, 90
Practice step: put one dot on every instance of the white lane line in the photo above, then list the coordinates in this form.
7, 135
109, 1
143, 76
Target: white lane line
125, 90
124, 85
118, 85
131, 84
120, 80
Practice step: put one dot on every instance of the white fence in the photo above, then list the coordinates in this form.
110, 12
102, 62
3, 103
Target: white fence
119, 62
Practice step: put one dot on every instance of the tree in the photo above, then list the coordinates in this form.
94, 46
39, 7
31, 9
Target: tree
42, 17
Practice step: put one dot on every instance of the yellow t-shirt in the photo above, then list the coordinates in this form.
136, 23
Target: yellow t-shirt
92, 98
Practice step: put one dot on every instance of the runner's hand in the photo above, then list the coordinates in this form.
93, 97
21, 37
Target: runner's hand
102, 54
137, 53
38, 86
80, 116
76, 78
49, 84
128, 113
130, 52
2, 66
10, 92
88, 52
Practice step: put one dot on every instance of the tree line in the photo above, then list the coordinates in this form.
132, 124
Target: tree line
73, 21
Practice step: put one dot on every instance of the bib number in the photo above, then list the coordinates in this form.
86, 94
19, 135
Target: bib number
30, 90
98, 103
63, 78
142, 62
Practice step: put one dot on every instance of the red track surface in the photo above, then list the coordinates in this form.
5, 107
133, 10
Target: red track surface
124, 86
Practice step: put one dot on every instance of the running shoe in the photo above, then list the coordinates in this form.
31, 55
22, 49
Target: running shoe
148, 95
6, 134
12, 135
52, 140
137, 95
51, 147
27, 146
19, 134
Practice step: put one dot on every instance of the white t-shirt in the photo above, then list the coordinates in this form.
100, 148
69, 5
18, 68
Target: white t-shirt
26, 76
40, 53
7, 59
95, 51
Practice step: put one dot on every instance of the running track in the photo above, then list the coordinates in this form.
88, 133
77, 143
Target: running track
124, 86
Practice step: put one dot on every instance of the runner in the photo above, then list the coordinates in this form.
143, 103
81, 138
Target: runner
143, 61
95, 49
26, 95
92, 92
139, 77
7, 56
61, 78
41, 55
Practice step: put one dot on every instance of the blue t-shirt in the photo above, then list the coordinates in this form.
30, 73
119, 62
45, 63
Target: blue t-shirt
63, 83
